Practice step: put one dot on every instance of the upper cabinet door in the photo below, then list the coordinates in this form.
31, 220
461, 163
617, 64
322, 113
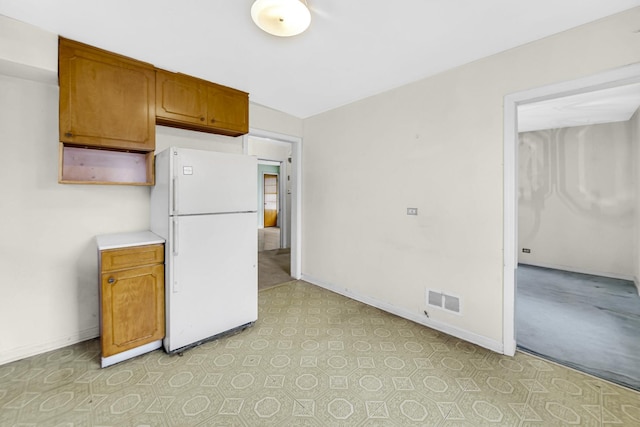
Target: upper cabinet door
228, 110
106, 100
188, 102
180, 98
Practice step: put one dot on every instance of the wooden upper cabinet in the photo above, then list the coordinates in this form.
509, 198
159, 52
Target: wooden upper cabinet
106, 100
191, 103
227, 109
180, 98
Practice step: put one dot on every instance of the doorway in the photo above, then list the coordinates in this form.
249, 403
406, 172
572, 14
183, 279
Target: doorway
554, 151
274, 265
278, 210
272, 215
270, 196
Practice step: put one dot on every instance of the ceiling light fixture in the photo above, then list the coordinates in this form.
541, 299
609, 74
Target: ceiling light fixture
281, 18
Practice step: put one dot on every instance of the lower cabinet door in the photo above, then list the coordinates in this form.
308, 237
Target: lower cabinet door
132, 308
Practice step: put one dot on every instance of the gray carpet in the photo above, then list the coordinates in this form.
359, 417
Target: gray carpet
273, 267
587, 322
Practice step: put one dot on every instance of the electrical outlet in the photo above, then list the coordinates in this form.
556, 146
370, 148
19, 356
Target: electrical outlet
412, 211
526, 250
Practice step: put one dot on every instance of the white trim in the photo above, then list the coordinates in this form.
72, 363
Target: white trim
296, 194
618, 77
129, 354
480, 340
282, 204
578, 270
33, 350
268, 162
510, 235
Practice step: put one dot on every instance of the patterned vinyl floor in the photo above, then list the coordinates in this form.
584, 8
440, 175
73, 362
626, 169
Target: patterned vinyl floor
314, 358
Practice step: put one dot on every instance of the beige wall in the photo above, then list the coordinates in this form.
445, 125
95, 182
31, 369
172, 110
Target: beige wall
577, 199
437, 145
27, 52
47, 252
274, 121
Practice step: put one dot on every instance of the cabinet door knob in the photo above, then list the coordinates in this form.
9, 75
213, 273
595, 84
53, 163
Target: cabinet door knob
213, 120
202, 119
68, 134
111, 280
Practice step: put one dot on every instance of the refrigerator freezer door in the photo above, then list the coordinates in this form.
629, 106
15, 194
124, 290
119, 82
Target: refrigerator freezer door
213, 285
210, 182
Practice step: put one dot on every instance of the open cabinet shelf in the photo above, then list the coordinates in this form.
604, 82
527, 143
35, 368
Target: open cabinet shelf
84, 165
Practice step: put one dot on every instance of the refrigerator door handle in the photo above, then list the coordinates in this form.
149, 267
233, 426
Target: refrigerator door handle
175, 237
174, 195
175, 249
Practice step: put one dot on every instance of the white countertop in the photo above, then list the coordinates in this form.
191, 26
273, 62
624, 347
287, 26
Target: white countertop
124, 240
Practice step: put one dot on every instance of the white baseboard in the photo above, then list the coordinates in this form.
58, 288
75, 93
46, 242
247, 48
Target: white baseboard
433, 324
579, 270
131, 353
33, 350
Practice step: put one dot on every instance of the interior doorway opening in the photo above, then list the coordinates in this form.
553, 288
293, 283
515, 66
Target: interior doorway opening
515, 248
271, 204
278, 209
273, 217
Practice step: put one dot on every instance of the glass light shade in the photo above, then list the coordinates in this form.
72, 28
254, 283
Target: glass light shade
282, 18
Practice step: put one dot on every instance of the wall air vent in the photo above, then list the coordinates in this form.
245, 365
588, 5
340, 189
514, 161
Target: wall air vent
435, 298
452, 303
443, 301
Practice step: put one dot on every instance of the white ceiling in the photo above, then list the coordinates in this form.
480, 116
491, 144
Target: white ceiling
616, 104
353, 49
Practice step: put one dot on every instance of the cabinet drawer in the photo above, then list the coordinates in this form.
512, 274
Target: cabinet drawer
118, 259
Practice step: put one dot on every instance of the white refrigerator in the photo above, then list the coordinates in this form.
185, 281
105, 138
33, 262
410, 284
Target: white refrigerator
204, 204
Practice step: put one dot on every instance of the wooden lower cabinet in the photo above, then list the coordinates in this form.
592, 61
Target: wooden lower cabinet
132, 299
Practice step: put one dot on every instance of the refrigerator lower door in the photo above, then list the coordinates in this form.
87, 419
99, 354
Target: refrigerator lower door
212, 286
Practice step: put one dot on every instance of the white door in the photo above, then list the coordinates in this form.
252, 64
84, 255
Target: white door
210, 182
213, 285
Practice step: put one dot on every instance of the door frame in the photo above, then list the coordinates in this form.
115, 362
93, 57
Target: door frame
296, 190
282, 216
622, 76
279, 216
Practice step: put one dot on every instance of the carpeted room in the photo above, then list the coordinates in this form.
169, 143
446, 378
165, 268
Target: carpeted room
577, 302
590, 323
